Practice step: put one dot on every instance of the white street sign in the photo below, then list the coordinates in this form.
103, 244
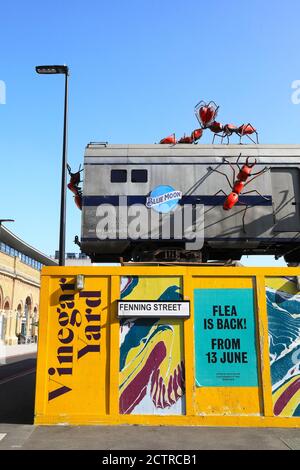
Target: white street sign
153, 308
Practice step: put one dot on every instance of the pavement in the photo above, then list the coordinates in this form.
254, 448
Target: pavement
29, 437
17, 386
16, 352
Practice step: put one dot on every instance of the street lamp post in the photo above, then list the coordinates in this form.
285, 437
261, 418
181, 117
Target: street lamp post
49, 70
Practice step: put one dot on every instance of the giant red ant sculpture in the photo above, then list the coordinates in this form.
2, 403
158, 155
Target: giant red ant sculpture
73, 186
240, 181
229, 129
186, 139
206, 114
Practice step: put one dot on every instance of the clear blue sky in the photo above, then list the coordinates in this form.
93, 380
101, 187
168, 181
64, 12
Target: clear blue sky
137, 70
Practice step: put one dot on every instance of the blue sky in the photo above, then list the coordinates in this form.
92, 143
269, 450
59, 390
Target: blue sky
137, 70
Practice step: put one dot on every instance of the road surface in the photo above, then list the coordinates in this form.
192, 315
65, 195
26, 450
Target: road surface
17, 383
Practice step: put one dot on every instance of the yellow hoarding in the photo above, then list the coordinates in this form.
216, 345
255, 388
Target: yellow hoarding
96, 368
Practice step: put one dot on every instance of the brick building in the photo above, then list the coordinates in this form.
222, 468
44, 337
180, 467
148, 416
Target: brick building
20, 266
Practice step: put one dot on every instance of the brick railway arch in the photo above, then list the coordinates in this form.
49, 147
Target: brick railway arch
20, 308
1, 298
34, 327
27, 312
2, 317
5, 319
19, 314
29, 305
35, 313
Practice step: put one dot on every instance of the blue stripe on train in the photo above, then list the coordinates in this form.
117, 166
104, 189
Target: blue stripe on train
205, 200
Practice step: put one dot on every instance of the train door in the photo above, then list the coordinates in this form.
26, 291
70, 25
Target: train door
286, 199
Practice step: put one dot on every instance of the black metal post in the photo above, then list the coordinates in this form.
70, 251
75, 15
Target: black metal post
62, 228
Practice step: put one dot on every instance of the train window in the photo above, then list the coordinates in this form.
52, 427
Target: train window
118, 176
139, 176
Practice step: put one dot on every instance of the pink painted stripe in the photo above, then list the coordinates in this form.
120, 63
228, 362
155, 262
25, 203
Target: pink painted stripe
136, 389
286, 396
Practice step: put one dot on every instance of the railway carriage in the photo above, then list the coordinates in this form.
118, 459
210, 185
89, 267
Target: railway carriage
136, 198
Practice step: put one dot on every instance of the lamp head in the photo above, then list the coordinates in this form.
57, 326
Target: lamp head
52, 69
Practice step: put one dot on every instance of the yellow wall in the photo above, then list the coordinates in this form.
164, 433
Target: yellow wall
80, 339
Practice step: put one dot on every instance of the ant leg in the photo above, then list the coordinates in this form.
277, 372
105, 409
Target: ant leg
241, 137
220, 191
237, 162
254, 132
244, 215
217, 135
225, 136
256, 175
221, 173
250, 138
241, 134
231, 166
243, 219
257, 192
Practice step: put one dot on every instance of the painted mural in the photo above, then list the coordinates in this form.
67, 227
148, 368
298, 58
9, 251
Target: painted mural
283, 304
151, 377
